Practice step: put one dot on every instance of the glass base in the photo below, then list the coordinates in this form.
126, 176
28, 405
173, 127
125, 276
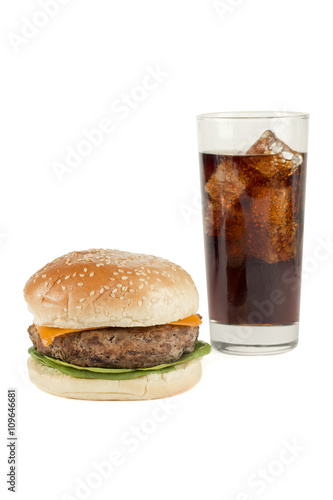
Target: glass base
252, 339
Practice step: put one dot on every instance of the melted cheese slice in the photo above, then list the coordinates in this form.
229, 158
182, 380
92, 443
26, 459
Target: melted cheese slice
48, 334
193, 320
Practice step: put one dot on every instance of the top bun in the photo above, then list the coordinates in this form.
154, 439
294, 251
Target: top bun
99, 288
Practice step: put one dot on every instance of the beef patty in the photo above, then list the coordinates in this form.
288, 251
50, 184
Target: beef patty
139, 347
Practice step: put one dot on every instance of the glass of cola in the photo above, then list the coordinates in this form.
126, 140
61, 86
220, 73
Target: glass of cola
253, 168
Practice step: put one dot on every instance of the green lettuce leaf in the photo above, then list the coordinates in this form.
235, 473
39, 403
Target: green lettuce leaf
201, 349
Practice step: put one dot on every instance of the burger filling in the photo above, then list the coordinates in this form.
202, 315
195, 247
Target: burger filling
114, 347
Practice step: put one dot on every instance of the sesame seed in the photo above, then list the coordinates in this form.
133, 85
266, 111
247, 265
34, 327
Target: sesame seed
81, 275
144, 298
46, 284
101, 290
113, 295
129, 272
65, 309
115, 290
124, 314
124, 277
73, 275
156, 272
39, 295
115, 273
83, 299
141, 279
131, 282
58, 282
121, 298
34, 281
92, 293
91, 274
63, 287
131, 290
43, 275
85, 269
124, 288
75, 318
140, 303
120, 270
106, 287
140, 286
80, 284
66, 277
119, 285
78, 307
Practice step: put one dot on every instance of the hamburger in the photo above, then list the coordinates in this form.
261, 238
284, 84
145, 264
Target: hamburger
113, 325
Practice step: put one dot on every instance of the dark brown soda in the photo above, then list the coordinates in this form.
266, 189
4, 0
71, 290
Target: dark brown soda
253, 232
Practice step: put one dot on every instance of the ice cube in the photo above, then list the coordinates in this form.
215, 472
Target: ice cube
223, 189
268, 144
227, 223
270, 225
235, 235
282, 160
225, 182
223, 215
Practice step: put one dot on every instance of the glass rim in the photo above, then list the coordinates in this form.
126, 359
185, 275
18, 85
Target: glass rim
252, 115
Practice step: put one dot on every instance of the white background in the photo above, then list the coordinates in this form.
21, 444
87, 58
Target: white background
138, 191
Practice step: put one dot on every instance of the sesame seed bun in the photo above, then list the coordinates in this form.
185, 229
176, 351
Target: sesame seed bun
152, 386
100, 288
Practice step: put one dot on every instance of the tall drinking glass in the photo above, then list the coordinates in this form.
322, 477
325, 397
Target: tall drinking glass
253, 168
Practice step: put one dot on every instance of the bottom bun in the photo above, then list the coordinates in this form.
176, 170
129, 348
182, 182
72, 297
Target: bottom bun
152, 386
